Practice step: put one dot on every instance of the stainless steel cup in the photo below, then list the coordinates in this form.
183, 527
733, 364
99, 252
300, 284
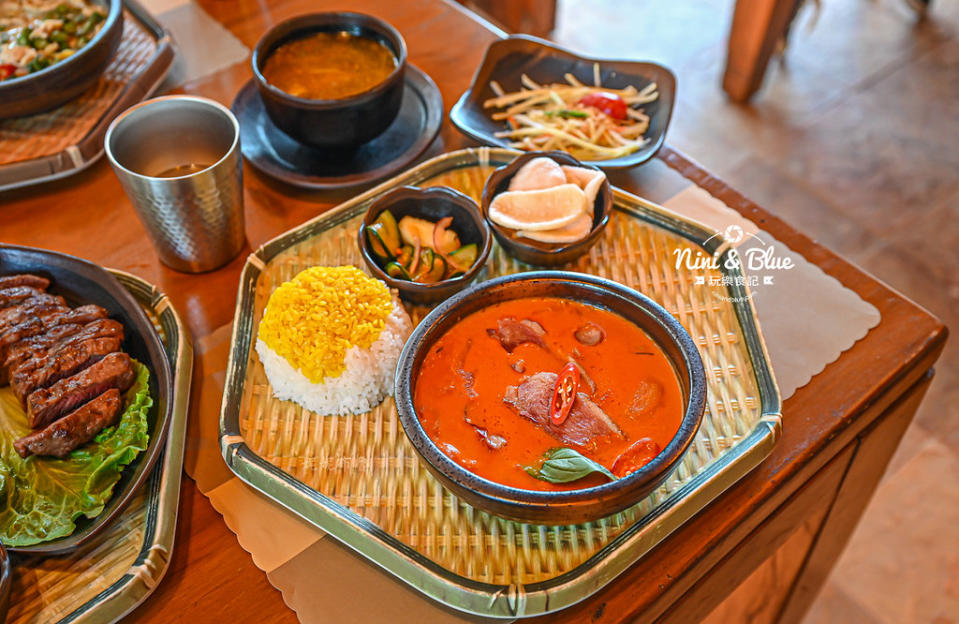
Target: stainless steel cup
178, 159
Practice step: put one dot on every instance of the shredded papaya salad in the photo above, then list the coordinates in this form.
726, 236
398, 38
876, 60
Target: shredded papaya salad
588, 122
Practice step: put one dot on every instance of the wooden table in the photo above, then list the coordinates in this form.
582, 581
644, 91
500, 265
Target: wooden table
782, 526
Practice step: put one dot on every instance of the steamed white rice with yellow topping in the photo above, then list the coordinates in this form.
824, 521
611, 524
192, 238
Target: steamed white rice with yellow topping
330, 338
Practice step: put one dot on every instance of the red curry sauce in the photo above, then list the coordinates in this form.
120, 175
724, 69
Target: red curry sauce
467, 371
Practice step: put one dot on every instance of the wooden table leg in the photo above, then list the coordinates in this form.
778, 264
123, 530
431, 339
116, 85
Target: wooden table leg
758, 25
781, 566
876, 447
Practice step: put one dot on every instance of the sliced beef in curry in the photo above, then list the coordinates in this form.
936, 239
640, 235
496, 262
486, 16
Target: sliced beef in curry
24, 279
586, 420
47, 404
75, 429
646, 398
512, 332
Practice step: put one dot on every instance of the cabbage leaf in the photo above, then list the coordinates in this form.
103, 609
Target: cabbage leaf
42, 497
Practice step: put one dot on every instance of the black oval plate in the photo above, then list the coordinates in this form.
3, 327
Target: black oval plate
81, 282
508, 59
274, 153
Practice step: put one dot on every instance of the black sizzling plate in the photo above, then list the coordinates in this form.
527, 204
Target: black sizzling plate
82, 282
508, 59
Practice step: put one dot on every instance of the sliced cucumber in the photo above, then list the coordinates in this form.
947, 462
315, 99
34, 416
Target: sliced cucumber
388, 230
405, 257
379, 247
397, 271
464, 257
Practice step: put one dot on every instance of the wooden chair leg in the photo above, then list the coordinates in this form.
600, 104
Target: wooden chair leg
758, 25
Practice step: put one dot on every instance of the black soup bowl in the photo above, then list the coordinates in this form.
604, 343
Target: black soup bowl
532, 251
342, 123
57, 84
432, 204
558, 507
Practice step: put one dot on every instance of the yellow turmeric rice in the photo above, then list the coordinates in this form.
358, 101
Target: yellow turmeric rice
329, 339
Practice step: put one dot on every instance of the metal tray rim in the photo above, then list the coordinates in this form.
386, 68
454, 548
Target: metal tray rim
151, 564
392, 555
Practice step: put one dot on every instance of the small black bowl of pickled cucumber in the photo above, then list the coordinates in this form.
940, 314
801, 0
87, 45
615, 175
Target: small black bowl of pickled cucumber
428, 243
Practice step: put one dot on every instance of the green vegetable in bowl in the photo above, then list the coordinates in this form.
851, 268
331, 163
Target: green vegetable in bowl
42, 497
419, 250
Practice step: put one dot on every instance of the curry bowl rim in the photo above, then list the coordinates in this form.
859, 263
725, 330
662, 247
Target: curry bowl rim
307, 23
527, 505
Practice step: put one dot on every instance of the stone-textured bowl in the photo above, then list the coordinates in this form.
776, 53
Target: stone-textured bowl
342, 123
63, 81
574, 506
432, 204
535, 252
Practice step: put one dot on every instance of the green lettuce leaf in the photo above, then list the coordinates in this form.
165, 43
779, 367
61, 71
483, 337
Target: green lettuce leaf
41, 497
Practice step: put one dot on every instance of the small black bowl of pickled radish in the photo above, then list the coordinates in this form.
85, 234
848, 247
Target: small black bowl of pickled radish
427, 243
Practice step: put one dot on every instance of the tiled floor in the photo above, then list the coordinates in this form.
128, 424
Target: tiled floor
855, 140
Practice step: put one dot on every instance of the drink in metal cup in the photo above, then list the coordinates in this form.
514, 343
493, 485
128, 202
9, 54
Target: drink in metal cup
178, 159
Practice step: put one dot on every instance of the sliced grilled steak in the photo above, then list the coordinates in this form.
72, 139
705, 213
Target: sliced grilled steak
24, 279
25, 309
47, 404
29, 347
16, 294
46, 320
586, 420
102, 328
75, 429
72, 359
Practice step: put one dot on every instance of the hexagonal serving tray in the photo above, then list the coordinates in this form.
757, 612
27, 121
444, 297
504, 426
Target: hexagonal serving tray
358, 478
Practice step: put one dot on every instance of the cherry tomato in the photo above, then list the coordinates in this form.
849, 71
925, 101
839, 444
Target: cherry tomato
564, 393
6, 71
639, 453
609, 103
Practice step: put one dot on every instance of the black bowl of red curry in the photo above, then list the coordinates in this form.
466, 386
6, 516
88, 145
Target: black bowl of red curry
574, 505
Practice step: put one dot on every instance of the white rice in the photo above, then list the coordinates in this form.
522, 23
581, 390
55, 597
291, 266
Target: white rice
367, 380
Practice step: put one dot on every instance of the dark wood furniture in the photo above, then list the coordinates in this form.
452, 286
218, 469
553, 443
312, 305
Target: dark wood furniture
777, 532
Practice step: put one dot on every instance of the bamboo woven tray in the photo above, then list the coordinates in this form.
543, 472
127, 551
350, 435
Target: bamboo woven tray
358, 477
69, 139
105, 579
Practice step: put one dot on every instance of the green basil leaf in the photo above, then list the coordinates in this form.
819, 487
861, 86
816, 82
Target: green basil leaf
564, 465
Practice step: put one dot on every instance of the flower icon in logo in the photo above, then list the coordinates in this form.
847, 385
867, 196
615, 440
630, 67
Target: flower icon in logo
734, 234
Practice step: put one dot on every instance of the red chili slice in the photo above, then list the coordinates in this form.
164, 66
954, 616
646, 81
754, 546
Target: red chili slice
639, 453
7, 70
609, 103
564, 393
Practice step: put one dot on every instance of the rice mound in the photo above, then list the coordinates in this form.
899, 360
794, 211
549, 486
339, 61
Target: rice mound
365, 382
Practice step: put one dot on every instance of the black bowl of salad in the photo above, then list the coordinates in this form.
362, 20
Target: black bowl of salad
51, 51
